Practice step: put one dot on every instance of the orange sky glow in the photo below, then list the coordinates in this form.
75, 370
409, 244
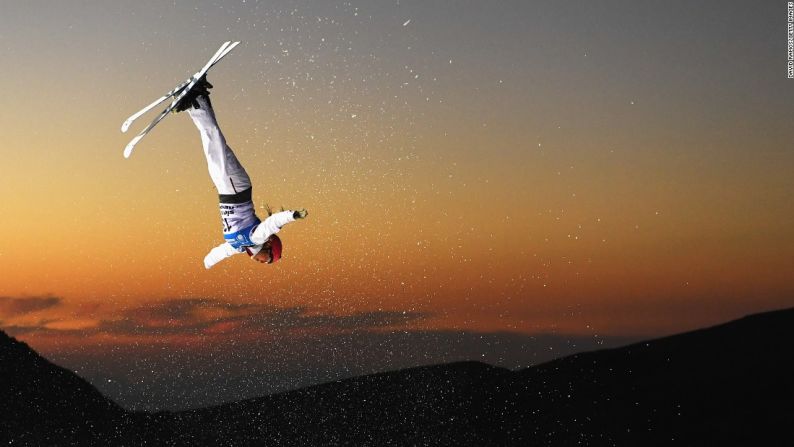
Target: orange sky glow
580, 187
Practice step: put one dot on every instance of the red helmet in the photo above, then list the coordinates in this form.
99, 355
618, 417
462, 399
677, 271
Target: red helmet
275, 247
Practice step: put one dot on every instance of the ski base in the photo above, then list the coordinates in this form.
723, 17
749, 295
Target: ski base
177, 93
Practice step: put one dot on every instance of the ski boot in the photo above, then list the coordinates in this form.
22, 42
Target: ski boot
200, 89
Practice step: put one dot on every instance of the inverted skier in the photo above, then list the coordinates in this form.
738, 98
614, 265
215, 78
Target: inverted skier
242, 230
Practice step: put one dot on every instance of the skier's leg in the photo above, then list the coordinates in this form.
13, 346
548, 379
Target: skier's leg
225, 170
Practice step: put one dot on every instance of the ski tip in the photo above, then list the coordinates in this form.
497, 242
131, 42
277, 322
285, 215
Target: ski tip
125, 126
131, 146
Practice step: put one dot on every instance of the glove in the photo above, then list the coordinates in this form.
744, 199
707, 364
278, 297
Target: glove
200, 89
300, 214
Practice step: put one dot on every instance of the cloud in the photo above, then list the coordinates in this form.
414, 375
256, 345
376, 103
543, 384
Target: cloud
374, 319
10, 306
203, 317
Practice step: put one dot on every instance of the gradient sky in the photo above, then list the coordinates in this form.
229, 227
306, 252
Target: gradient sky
615, 167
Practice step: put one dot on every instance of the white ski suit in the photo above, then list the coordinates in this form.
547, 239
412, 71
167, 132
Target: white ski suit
242, 229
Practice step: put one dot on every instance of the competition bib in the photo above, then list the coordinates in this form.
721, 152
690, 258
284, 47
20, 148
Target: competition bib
242, 238
239, 221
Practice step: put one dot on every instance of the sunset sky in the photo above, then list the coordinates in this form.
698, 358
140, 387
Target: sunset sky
609, 168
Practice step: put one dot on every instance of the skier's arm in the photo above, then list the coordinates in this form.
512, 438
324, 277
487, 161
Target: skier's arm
273, 224
218, 254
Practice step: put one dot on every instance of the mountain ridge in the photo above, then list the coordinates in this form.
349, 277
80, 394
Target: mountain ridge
37, 393
728, 384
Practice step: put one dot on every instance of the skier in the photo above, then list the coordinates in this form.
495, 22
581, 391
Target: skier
242, 229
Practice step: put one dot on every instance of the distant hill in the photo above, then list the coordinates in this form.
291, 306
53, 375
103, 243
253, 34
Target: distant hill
41, 402
731, 384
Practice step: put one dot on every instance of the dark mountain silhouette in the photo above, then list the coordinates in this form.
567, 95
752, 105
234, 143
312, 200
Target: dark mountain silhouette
731, 384
41, 403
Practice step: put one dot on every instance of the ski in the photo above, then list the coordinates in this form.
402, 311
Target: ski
177, 93
126, 125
